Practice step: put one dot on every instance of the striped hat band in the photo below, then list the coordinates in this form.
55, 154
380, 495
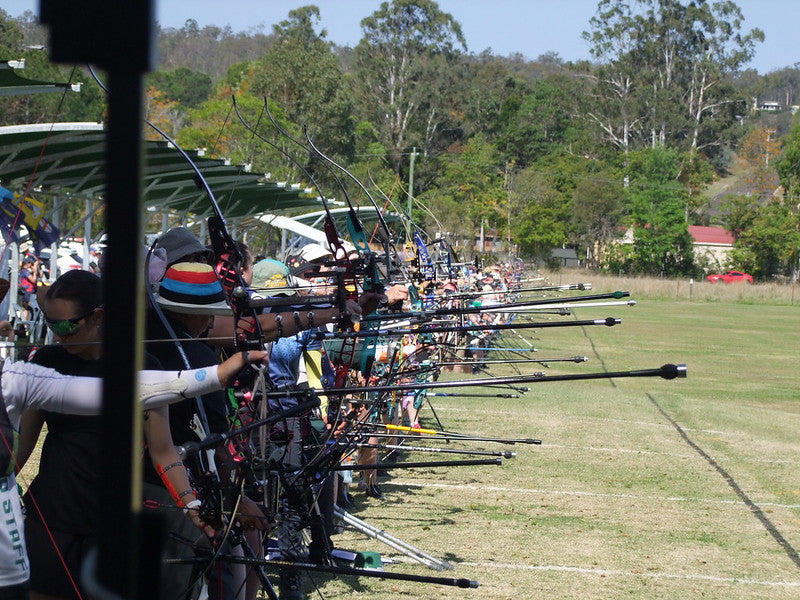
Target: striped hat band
192, 287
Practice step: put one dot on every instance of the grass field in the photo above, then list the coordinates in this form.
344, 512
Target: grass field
617, 502
641, 486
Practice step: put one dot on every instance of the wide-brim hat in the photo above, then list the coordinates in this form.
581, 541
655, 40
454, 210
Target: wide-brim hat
192, 289
179, 242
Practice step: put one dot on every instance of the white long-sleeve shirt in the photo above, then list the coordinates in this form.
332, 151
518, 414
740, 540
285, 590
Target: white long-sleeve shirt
26, 385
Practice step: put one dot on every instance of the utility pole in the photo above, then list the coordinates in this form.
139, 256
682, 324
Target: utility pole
411, 180
507, 185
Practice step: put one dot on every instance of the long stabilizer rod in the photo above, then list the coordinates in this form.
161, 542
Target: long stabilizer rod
668, 371
323, 335
285, 564
493, 307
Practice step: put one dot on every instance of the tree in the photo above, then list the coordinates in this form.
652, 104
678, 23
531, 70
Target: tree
211, 50
665, 63
788, 167
34, 33
614, 104
758, 153
770, 245
598, 209
183, 85
163, 112
208, 128
696, 46
661, 242
372, 166
491, 84
401, 69
541, 208
540, 124
11, 36
469, 190
301, 74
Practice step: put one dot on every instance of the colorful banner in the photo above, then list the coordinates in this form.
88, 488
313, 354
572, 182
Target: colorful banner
28, 212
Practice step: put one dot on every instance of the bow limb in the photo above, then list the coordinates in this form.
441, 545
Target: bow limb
327, 159
228, 255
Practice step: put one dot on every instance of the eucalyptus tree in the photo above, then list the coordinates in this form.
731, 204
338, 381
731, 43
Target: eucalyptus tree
664, 68
598, 210
403, 73
615, 106
469, 192
543, 121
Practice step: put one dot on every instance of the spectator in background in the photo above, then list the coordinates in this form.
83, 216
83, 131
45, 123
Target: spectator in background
28, 276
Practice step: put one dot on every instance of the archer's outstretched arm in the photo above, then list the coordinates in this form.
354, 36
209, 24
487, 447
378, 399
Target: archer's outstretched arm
26, 385
283, 324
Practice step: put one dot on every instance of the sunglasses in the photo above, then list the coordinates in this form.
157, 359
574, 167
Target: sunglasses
66, 327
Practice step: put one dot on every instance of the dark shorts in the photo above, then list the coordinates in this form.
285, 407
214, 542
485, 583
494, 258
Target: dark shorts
14, 592
48, 575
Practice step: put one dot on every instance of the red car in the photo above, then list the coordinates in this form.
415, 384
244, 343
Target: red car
731, 277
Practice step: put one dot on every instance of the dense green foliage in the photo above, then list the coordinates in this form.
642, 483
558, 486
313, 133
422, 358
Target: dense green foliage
548, 153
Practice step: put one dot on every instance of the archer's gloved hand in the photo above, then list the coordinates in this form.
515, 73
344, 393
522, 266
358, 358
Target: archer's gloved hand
352, 311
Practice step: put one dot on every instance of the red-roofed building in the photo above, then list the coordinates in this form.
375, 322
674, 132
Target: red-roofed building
713, 242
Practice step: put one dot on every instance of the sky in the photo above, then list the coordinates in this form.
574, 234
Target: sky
529, 27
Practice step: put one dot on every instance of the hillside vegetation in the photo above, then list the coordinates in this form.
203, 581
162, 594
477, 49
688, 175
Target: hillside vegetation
552, 153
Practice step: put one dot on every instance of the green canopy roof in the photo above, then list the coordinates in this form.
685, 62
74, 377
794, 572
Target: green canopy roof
73, 162
12, 84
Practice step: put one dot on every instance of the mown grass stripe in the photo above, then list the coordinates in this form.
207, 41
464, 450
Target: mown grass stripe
489, 488
644, 574
757, 512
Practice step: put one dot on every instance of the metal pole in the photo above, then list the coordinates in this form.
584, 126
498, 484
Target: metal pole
54, 245
411, 180
13, 280
87, 234
379, 534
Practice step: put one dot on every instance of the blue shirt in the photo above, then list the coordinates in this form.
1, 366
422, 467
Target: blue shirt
284, 362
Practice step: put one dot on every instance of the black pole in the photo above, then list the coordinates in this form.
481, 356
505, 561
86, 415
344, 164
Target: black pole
117, 36
121, 417
445, 436
501, 453
422, 464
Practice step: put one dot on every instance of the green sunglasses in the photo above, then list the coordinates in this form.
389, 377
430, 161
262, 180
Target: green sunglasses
66, 327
